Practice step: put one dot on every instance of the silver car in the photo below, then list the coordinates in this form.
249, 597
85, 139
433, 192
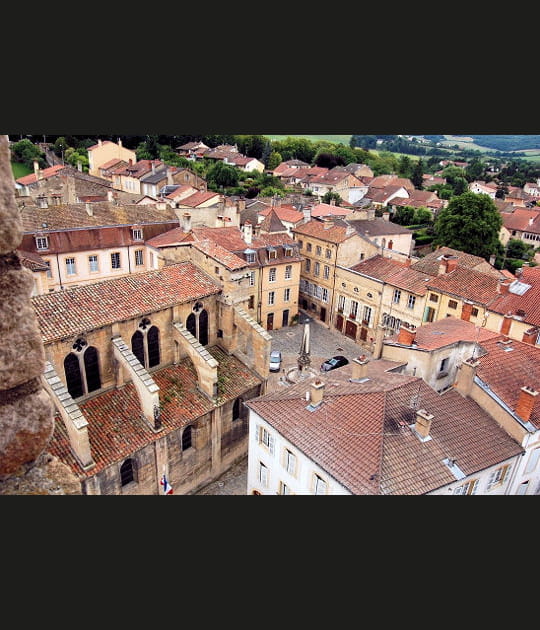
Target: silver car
275, 361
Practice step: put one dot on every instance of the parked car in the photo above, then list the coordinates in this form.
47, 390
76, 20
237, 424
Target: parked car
333, 363
275, 361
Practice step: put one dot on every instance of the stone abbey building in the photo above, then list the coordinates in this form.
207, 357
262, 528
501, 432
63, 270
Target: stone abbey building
148, 375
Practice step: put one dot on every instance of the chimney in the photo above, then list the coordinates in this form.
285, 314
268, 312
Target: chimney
316, 391
378, 343
447, 264
423, 423
248, 232
153, 168
186, 222
119, 142
359, 367
99, 142
79, 166
89, 210
130, 161
370, 214
492, 259
465, 376
406, 335
526, 402
307, 213
504, 285
170, 181
530, 336
408, 261
110, 195
506, 323
332, 202
37, 171
386, 216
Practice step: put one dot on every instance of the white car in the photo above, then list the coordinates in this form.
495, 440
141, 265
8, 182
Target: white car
275, 361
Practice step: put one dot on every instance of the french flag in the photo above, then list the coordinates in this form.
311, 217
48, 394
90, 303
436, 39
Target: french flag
167, 488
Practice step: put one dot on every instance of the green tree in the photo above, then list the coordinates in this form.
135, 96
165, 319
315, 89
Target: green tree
469, 223
60, 144
417, 175
221, 174
422, 215
405, 166
25, 152
329, 195
404, 215
516, 248
274, 160
149, 149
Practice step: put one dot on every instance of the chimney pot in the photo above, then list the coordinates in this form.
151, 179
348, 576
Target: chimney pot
316, 392
406, 335
526, 402
359, 367
423, 423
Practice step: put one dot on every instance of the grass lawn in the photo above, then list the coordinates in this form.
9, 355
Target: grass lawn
20, 170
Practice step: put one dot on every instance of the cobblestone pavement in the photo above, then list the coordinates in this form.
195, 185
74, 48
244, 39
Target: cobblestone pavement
324, 343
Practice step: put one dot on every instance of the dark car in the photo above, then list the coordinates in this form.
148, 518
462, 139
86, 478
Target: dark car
333, 363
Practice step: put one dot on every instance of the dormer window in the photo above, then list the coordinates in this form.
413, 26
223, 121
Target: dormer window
42, 242
288, 251
250, 255
272, 252
137, 234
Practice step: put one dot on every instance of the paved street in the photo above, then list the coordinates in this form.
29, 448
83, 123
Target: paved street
323, 345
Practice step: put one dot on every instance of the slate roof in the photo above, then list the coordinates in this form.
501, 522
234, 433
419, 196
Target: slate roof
65, 313
360, 435
115, 428
507, 371
272, 223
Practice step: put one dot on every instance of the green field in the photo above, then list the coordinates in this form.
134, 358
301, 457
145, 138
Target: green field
330, 138
20, 170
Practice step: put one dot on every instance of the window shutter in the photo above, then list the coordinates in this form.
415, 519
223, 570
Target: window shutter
271, 444
258, 428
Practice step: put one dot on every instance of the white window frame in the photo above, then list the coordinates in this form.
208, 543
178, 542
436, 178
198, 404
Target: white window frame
284, 488
324, 296
42, 242
113, 258
90, 263
532, 462
411, 301
288, 272
71, 264
272, 274
139, 257
470, 487
341, 303
271, 298
317, 269
263, 475
367, 315
137, 234
251, 278
353, 313
326, 272
320, 486
49, 269
498, 477
286, 295
291, 462
266, 439
396, 297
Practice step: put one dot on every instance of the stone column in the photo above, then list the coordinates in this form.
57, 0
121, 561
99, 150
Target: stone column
26, 411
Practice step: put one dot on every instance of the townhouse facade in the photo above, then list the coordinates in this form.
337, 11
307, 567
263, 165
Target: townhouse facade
105, 151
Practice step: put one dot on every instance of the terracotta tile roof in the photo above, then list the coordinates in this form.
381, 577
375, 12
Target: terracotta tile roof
430, 262
480, 288
74, 216
31, 261
527, 303
360, 434
65, 313
330, 178
196, 199
377, 227
231, 238
287, 164
323, 231
393, 272
45, 174
111, 163
220, 254
445, 332
138, 169
285, 213
381, 181
96, 146
181, 191
115, 428
271, 223
507, 371
170, 238
380, 195
522, 220
328, 210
